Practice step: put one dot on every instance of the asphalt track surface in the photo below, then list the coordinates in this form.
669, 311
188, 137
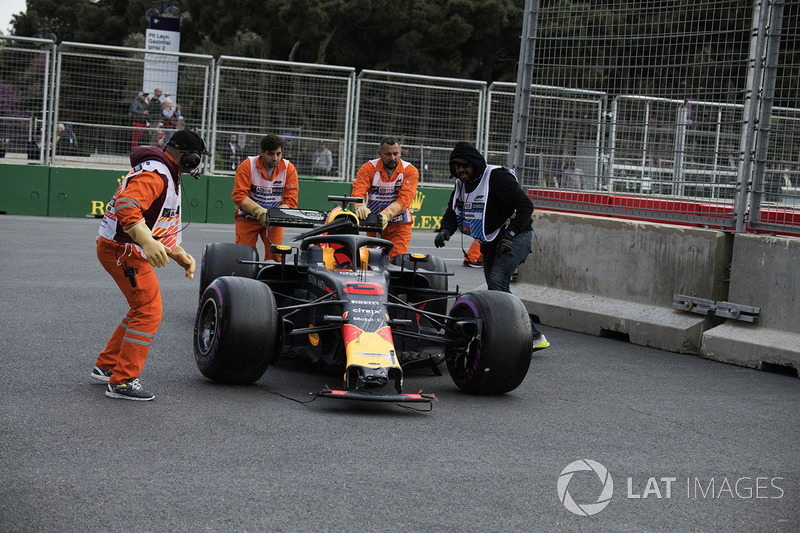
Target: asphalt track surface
209, 457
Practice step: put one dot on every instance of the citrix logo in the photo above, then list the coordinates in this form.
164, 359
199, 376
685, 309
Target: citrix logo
585, 509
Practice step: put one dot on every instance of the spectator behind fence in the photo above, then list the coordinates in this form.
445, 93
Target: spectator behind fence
138, 114
179, 114
304, 158
231, 153
34, 147
59, 132
154, 115
169, 122
288, 144
572, 177
67, 143
250, 146
323, 160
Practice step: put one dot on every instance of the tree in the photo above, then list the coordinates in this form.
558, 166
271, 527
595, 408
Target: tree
103, 22
463, 38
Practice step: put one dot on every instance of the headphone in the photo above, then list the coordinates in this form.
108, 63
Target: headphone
190, 160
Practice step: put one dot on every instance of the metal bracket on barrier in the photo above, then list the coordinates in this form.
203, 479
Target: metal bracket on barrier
703, 306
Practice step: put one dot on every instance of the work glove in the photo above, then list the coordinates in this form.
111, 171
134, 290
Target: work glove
184, 260
441, 238
362, 212
154, 251
389, 212
384, 219
506, 243
261, 215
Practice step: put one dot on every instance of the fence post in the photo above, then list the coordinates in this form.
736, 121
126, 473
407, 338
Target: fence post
50, 111
680, 150
760, 17
522, 97
767, 90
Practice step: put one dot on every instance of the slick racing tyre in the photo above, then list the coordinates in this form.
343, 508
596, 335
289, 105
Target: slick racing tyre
221, 259
495, 359
236, 331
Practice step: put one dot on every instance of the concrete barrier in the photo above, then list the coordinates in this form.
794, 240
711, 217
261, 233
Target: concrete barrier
606, 276
765, 273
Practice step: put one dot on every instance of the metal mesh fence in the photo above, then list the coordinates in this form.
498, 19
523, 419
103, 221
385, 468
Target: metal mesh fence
560, 117
305, 104
782, 174
649, 109
25, 93
674, 147
674, 74
427, 115
775, 201
689, 86
98, 93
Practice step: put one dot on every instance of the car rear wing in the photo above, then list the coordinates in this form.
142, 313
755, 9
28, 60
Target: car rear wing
295, 218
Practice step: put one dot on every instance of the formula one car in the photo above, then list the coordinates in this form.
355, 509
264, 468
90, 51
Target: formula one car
337, 300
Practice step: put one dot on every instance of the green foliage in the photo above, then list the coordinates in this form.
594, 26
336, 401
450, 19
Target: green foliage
687, 48
101, 22
463, 38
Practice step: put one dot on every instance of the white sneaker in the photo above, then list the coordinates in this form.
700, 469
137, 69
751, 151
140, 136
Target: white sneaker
540, 343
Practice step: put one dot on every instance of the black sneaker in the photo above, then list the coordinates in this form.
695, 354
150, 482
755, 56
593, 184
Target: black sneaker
130, 390
100, 374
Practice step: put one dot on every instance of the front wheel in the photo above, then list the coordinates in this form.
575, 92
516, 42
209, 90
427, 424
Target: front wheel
236, 331
222, 259
495, 358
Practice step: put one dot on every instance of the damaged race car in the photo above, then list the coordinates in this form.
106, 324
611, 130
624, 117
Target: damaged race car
335, 298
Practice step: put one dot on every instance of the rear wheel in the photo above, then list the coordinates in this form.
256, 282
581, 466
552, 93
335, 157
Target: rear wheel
236, 331
433, 263
417, 352
222, 259
498, 361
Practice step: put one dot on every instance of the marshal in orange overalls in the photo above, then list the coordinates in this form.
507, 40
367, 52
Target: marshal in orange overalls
273, 187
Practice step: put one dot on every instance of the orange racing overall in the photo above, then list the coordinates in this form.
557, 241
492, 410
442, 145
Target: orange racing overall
267, 190
150, 191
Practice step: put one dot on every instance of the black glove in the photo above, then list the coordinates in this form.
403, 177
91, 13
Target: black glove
506, 243
441, 238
